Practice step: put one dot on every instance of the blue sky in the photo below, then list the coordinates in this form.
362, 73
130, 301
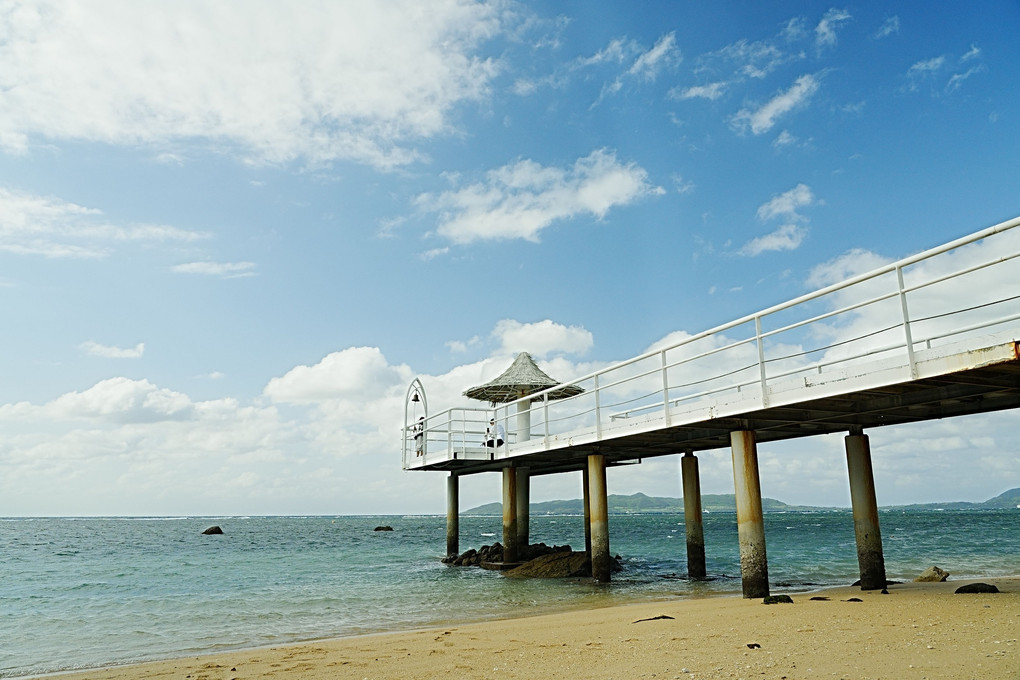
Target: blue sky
232, 234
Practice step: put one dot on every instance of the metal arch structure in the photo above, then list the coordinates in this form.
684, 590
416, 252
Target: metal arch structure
931, 336
416, 388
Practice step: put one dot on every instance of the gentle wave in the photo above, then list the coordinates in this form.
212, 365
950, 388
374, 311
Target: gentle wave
123, 590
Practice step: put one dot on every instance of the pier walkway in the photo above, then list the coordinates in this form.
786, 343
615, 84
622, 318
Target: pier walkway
934, 335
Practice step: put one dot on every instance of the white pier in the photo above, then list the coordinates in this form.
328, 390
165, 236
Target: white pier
931, 336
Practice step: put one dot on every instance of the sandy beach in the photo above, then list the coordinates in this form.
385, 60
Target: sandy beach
918, 630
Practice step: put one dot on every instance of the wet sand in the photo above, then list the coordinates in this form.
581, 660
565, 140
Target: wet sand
918, 630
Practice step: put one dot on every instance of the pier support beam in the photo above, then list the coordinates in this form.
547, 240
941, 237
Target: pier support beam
523, 507
693, 522
452, 515
865, 508
510, 545
586, 494
599, 502
754, 567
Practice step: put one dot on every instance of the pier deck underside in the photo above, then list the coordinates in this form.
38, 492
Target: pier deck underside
984, 389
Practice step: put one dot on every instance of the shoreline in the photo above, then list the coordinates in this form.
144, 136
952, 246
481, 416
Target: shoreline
918, 630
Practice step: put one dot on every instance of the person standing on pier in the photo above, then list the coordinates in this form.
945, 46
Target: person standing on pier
495, 435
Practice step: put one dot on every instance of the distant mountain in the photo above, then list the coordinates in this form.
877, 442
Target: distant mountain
639, 503
1006, 500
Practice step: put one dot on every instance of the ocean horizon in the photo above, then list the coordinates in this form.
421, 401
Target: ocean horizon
90, 592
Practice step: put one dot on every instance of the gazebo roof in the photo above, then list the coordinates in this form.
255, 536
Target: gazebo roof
523, 377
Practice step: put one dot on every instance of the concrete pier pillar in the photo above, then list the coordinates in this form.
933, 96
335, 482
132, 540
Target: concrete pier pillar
865, 507
599, 503
693, 522
452, 515
754, 567
586, 494
510, 544
523, 507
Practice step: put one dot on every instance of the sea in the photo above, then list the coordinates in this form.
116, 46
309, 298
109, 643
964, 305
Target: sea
80, 593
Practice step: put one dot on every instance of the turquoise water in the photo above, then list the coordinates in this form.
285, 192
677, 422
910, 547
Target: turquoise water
83, 593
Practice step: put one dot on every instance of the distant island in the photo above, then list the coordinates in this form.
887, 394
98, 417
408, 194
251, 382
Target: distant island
640, 503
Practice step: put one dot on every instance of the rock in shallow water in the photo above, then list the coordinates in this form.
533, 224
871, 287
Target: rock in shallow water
212, 530
932, 575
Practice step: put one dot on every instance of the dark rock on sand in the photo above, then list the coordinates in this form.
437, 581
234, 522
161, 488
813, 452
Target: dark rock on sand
212, 530
977, 588
778, 599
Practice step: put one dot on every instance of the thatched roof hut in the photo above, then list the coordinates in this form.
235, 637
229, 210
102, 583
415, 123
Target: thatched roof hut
524, 377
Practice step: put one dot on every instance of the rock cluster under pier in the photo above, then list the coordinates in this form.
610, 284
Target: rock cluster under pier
538, 561
494, 553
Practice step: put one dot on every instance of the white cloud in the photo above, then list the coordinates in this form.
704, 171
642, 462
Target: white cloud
121, 400
888, 27
787, 204
794, 29
363, 81
791, 233
845, 266
95, 349
542, 338
764, 118
663, 53
973, 53
646, 65
356, 372
616, 52
752, 59
521, 199
784, 139
926, 66
928, 71
433, 253
53, 228
712, 91
226, 270
825, 31
786, 237
956, 80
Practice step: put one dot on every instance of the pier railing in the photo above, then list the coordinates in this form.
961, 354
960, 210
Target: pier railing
873, 328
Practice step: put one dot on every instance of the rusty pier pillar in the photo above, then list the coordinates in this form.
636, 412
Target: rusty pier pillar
600, 559
693, 521
754, 566
863, 499
452, 515
510, 540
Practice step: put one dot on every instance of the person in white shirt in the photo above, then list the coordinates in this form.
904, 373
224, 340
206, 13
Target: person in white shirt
495, 435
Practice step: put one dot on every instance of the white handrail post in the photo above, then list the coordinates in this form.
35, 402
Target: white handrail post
598, 410
665, 389
545, 417
761, 361
906, 322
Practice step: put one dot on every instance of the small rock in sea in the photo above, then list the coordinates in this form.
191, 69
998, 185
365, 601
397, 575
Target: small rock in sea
977, 588
932, 575
383, 528
778, 599
212, 530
